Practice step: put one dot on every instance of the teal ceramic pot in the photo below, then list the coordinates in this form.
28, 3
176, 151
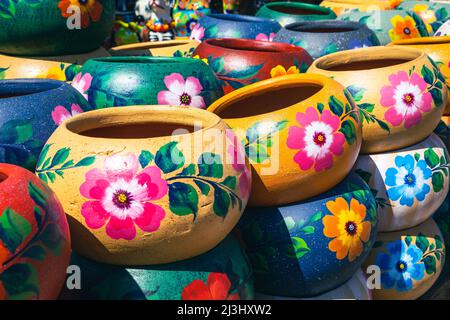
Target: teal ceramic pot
311, 247
290, 12
390, 25
125, 81
49, 27
323, 37
223, 273
433, 13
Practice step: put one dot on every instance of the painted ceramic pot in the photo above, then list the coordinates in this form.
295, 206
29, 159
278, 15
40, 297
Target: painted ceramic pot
172, 48
35, 240
63, 68
410, 261
298, 132
323, 37
290, 12
344, 6
410, 184
444, 30
30, 110
187, 13
125, 81
390, 25
223, 273
234, 26
353, 289
240, 62
55, 28
434, 14
438, 49
372, 76
141, 187
309, 248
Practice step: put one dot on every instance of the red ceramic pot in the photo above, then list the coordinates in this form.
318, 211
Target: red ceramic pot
34, 237
239, 62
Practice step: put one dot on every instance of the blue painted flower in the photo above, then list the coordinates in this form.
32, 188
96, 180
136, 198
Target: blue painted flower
408, 180
400, 266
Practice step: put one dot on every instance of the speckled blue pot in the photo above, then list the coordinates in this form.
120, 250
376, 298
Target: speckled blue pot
236, 26
226, 267
290, 246
323, 37
30, 110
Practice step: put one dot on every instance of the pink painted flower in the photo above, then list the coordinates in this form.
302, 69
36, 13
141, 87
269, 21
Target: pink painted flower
61, 114
197, 33
120, 197
181, 93
317, 138
237, 153
82, 83
264, 37
407, 98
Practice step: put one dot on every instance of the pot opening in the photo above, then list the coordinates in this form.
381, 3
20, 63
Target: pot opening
3, 177
322, 28
25, 87
134, 59
238, 18
155, 46
296, 10
267, 101
251, 45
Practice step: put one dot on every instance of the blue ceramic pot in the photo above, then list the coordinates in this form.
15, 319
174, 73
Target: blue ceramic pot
30, 110
323, 37
225, 269
311, 247
236, 26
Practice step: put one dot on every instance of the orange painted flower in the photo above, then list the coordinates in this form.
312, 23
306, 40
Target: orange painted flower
55, 73
347, 227
279, 70
217, 288
404, 28
89, 9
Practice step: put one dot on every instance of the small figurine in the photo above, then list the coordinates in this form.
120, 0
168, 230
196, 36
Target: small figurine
156, 15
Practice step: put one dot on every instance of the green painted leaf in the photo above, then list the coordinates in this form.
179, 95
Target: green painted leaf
87, 161
383, 125
35, 252
259, 263
315, 217
38, 216
436, 93
300, 248
365, 175
221, 202
52, 238
60, 156
230, 182
43, 155
422, 242
189, 170
51, 176
308, 230
428, 75
145, 158
408, 240
356, 92
210, 165
257, 153
183, 199
430, 264
13, 229
320, 107
218, 64
204, 187
20, 280
3, 71
431, 158
336, 106
437, 179
37, 195
289, 222
169, 158
43, 177
367, 106
349, 131
245, 73
417, 156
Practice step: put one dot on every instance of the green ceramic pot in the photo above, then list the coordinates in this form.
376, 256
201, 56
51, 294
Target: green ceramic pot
49, 27
434, 14
223, 273
290, 12
126, 81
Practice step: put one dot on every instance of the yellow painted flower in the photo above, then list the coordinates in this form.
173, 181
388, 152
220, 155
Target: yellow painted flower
55, 73
279, 70
347, 227
204, 59
404, 28
427, 15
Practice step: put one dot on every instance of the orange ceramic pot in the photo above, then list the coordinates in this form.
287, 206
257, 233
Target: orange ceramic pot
180, 47
400, 93
301, 133
438, 49
343, 6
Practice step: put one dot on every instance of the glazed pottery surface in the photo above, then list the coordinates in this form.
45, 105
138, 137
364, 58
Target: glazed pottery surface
63, 68
50, 28
344, 6
309, 248
409, 184
323, 37
172, 48
290, 12
390, 25
410, 261
444, 30
298, 132
438, 49
35, 240
372, 76
434, 14
30, 110
222, 273
137, 195
125, 81
236, 26
240, 62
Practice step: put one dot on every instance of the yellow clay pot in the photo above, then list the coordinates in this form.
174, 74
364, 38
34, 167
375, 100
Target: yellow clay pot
300, 132
180, 47
343, 6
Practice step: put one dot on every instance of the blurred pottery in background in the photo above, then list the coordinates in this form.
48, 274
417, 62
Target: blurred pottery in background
172, 48
444, 30
433, 13
372, 75
344, 6
240, 62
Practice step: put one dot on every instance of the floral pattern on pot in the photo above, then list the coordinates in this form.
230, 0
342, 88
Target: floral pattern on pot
181, 92
217, 288
265, 37
89, 10
279, 71
403, 28
434, 14
82, 83
61, 114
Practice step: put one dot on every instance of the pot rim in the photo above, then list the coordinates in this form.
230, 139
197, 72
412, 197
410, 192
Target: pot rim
145, 60
251, 46
358, 2
306, 26
154, 45
238, 18
299, 5
422, 41
20, 88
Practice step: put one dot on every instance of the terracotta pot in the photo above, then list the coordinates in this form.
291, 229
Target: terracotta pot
390, 25
410, 261
240, 62
290, 12
410, 184
134, 194
444, 30
172, 48
278, 121
344, 6
125, 81
63, 68
223, 273
353, 289
323, 37
35, 240
371, 75
309, 248
235, 26
30, 110
438, 49
50, 28
433, 13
